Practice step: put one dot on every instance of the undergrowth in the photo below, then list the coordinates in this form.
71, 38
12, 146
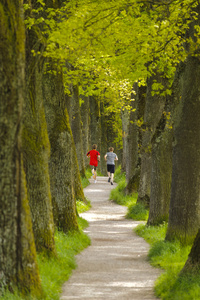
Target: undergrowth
135, 211
85, 180
170, 257
82, 206
54, 271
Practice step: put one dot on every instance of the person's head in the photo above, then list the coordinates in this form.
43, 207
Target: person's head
94, 146
111, 149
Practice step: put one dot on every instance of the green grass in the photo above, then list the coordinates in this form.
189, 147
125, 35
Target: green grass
170, 257
54, 271
82, 206
84, 180
119, 176
135, 211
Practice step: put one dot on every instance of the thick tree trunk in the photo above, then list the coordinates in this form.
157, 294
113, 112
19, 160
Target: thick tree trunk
153, 111
184, 217
161, 177
62, 153
162, 156
76, 128
193, 262
36, 148
17, 249
133, 163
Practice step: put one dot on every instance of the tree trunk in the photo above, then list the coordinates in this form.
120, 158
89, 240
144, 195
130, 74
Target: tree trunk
36, 148
161, 177
133, 164
17, 248
76, 128
85, 108
77, 185
153, 111
193, 262
184, 218
62, 152
162, 156
125, 122
104, 145
95, 122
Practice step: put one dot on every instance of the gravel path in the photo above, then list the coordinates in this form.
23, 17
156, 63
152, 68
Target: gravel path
115, 265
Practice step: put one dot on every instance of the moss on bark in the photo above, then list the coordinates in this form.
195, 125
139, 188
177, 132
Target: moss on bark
18, 264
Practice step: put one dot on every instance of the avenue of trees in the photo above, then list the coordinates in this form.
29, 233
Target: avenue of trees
121, 73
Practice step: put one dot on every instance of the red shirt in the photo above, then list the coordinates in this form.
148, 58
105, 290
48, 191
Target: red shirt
93, 157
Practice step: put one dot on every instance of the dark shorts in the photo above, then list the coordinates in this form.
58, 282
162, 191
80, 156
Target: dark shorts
93, 167
111, 168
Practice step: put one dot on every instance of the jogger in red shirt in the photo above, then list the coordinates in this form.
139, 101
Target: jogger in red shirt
94, 159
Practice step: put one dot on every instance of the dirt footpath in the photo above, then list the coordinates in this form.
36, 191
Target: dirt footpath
115, 265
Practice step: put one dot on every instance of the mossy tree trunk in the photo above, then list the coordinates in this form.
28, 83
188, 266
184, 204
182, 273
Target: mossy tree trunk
134, 140
95, 122
192, 264
184, 217
162, 156
36, 147
125, 122
161, 175
62, 152
153, 110
18, 264
184, 213
76, 127
85, 109
77, 185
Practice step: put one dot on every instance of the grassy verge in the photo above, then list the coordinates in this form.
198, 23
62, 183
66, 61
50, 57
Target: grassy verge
135, 211
54, 271
84, 180
171, 257
82, 207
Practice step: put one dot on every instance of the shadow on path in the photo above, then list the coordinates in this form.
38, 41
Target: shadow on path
115, 265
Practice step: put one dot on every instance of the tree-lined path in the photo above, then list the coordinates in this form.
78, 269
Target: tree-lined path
115, 265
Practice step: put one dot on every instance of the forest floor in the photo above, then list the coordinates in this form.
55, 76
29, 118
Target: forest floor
115, 265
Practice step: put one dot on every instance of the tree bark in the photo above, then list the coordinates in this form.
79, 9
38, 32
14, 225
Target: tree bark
36, 147
162, 155
161, 177
184, 219
18, 264
104, 144
133, 164
62, 152
125, 122
95, 122
76, 128
192, 264
85, 109
153, 111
